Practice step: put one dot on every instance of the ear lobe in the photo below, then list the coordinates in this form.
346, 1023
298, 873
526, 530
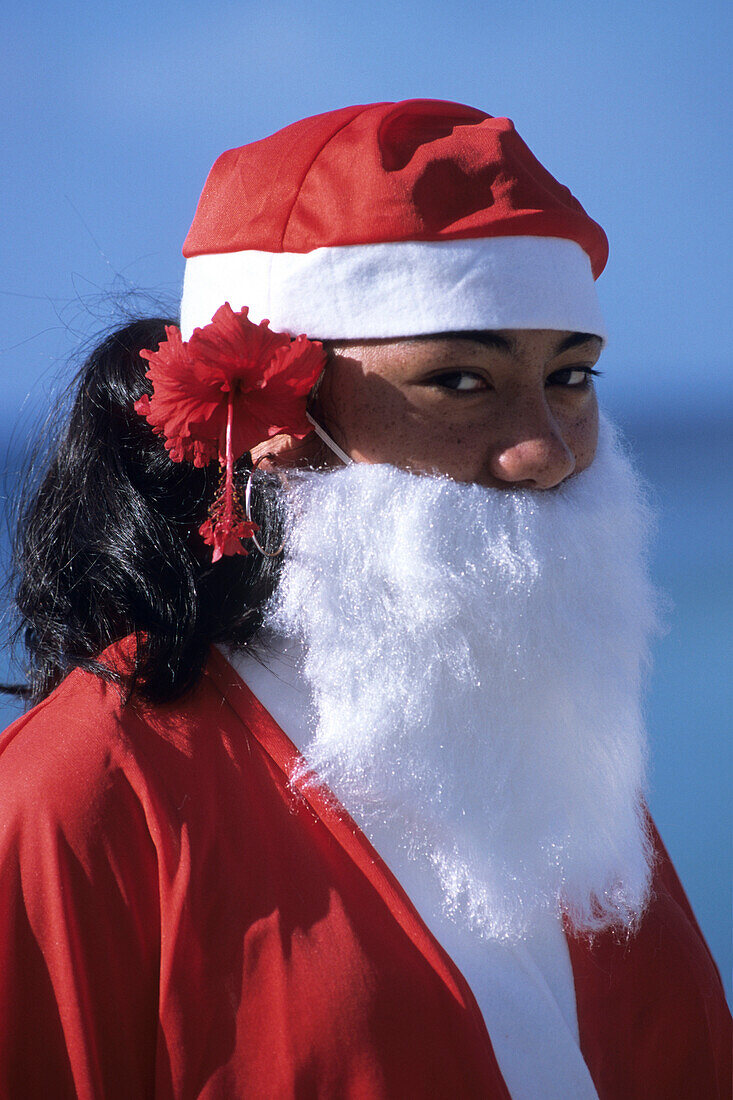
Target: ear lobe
286, 450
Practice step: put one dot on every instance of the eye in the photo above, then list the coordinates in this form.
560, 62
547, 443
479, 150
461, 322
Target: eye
460, 381
573, 377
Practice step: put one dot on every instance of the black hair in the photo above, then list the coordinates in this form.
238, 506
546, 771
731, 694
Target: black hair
106, 545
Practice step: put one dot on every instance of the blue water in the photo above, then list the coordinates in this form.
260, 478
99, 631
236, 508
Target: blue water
689, 702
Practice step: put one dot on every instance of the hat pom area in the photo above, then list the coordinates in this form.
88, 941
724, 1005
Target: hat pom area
232, 385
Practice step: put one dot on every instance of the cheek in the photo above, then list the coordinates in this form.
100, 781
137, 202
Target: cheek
373, 428
375, 422
392, 430
581, 435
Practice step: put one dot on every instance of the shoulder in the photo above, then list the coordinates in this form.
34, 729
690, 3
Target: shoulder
65, 745
70, 783
81, 817
83, 749
84, 756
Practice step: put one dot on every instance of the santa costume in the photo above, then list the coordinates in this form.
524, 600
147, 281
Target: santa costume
396, 849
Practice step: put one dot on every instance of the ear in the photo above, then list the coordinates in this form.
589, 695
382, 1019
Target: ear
286, 450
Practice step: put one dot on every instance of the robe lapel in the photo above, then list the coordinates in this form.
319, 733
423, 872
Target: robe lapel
278, 746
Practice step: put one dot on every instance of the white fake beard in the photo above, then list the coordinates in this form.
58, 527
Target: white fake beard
476, 659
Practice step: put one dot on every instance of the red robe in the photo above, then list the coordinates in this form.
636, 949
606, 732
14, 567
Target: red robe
176, 922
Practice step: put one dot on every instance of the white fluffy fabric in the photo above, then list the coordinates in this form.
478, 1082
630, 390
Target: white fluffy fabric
476, 658
400, 288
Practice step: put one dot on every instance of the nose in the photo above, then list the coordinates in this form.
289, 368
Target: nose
532, 455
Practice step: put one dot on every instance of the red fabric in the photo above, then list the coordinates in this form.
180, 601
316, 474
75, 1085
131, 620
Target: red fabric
420, 170
679, 1041
176, 922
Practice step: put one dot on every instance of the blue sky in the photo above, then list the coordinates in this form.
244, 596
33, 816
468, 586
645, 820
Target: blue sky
114, 113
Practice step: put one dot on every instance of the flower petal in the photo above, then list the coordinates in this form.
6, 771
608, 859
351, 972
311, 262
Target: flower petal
269, 374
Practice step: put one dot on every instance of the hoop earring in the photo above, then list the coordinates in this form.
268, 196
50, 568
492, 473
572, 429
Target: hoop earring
248, 507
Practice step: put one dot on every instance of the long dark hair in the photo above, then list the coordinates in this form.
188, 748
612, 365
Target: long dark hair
107, 544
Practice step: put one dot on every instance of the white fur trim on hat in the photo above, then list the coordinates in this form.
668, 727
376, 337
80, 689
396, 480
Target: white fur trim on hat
401, 288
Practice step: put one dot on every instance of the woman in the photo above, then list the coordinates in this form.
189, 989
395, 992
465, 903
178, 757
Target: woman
186, 908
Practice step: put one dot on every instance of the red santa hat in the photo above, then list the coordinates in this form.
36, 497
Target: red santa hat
392, 219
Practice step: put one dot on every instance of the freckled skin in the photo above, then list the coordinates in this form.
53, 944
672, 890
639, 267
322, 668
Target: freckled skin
524, 415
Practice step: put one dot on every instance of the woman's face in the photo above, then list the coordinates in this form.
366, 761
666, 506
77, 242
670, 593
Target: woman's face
511, 408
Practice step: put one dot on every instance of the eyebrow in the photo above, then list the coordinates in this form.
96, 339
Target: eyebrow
494, 340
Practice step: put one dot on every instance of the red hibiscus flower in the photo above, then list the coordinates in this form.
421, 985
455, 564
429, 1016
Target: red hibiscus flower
231, 386
226, 538
264, 375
